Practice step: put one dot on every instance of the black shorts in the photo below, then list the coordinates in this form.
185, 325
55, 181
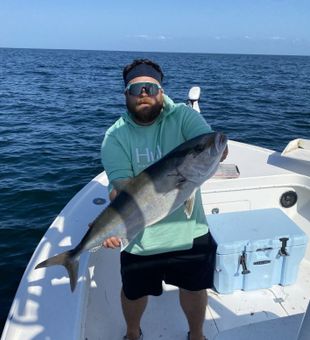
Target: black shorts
189, 269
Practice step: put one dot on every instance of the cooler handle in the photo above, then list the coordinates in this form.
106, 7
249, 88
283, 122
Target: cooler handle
243, 264
283, 251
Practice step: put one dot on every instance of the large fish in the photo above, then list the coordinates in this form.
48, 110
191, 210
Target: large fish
147, 198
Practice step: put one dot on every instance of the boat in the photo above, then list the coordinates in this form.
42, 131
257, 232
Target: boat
45, 308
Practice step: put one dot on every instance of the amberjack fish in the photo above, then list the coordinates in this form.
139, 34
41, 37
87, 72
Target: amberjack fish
147, 198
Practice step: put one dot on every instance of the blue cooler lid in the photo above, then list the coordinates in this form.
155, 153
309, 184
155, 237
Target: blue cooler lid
253, 229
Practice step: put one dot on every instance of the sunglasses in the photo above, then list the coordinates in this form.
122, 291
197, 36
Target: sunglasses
135, 89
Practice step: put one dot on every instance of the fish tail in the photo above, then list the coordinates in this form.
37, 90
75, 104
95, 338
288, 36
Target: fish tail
68, 259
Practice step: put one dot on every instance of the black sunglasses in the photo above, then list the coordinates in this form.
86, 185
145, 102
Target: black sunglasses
135, 89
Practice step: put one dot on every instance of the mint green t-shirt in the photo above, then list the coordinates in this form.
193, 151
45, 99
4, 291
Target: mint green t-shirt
128, 148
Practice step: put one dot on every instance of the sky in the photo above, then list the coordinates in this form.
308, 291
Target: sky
204, 26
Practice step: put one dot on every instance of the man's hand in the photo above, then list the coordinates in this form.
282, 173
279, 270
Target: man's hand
112, 242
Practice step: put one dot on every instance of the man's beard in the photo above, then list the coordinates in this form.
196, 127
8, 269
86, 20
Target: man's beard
147, 114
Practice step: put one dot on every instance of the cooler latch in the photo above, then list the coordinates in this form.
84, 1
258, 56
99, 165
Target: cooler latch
283, 251
243, 264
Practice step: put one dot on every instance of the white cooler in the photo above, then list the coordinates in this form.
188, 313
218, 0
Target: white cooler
256, 249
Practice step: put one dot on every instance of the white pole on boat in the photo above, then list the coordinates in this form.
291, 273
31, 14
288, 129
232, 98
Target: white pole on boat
193, 97
304, 330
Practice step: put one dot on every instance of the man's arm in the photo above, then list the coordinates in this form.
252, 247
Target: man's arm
115, 160
118, 168
194, 125
113, 241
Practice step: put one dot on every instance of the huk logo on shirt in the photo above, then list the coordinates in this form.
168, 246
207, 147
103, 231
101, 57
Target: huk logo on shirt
145, 156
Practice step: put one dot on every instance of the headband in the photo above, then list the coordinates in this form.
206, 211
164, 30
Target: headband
142, 70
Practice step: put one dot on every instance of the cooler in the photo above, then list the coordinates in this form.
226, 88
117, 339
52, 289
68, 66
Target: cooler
255, 249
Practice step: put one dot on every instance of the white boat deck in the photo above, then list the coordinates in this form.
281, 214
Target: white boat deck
164, 318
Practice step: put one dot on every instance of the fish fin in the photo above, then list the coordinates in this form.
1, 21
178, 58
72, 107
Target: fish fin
93, 250
189, 205
68, 259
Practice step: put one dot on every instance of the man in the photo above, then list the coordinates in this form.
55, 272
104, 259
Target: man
177, 250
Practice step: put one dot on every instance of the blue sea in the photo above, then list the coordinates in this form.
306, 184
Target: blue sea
55, 106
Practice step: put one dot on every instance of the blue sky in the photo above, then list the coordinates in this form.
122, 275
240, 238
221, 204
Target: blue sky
218, 26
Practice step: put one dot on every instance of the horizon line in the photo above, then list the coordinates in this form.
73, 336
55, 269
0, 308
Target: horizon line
172, 52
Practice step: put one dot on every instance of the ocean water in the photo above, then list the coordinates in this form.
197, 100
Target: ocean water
55, 106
